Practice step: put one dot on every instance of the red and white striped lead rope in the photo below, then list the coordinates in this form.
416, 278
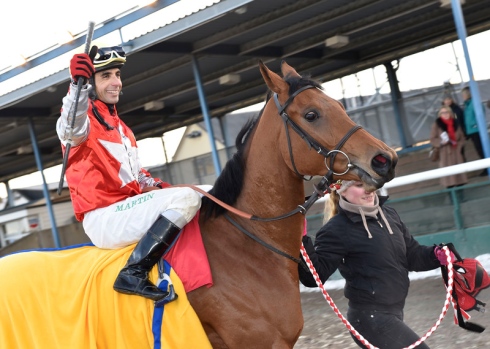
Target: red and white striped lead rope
449, 299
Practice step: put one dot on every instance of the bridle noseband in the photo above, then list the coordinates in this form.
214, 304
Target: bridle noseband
312, 143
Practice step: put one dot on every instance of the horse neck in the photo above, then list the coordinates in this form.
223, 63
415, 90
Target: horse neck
270, 187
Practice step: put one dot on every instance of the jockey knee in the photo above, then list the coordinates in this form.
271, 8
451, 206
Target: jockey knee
182, 210
192, 200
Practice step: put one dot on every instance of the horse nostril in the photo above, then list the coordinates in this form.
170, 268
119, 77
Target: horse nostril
381, 159
381, 164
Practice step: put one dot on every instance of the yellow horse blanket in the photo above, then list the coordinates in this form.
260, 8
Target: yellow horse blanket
64, 299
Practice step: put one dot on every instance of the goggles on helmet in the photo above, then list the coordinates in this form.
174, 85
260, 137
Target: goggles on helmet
109, 57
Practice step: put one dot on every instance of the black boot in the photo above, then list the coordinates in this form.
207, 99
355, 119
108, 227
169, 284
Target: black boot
133, 278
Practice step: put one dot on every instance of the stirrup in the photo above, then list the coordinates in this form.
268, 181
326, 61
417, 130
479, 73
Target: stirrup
172, 295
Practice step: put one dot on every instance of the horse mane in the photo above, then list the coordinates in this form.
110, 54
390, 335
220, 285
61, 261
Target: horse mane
229, 183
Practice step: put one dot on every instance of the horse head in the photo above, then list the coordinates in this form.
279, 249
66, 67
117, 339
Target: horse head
317, 125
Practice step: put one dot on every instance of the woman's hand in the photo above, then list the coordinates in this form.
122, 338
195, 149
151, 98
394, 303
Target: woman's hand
441, 255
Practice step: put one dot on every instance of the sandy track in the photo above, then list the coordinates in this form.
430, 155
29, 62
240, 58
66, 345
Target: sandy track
323, 329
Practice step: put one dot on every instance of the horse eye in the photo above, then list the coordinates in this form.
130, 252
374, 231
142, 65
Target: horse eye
311, 116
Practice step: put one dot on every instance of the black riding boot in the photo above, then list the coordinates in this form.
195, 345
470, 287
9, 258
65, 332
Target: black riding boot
133, 278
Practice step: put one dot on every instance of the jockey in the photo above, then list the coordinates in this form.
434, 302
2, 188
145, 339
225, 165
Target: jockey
117, 200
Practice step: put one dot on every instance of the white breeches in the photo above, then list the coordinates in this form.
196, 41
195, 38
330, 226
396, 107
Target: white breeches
125, 222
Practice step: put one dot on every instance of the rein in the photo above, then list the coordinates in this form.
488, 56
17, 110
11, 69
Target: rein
263, 243
301, 209
449, 299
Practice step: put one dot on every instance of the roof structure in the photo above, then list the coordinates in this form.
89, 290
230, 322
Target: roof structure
325, 39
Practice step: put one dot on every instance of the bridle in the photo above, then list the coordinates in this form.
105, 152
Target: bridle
319, 188
312, 143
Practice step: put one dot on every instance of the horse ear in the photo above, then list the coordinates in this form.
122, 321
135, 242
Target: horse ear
288, 71
273, 81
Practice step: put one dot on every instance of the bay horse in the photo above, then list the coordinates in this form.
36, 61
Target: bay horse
255, 300
300, 132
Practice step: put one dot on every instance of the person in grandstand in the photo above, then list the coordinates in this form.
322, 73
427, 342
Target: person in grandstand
373, 250
118, 201
447, 135
471, 125
459, 116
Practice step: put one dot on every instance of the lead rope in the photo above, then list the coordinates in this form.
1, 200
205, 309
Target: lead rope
449, 299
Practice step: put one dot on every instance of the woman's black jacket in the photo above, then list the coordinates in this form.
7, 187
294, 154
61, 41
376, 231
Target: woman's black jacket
376, 269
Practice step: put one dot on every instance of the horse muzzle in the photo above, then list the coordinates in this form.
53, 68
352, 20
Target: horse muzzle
382, 171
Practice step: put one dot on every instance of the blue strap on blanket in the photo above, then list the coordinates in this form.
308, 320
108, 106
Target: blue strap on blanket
159, 311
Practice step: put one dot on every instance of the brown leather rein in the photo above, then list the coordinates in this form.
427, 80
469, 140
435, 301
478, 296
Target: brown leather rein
218, 201
318, 193
246, 216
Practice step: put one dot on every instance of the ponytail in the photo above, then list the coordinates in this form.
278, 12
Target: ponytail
331, 206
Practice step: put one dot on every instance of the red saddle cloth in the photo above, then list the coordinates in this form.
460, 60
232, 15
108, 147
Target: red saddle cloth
188, 257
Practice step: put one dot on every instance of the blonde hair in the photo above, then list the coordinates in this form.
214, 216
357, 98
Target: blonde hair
331, 206
330, 209
448, 109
